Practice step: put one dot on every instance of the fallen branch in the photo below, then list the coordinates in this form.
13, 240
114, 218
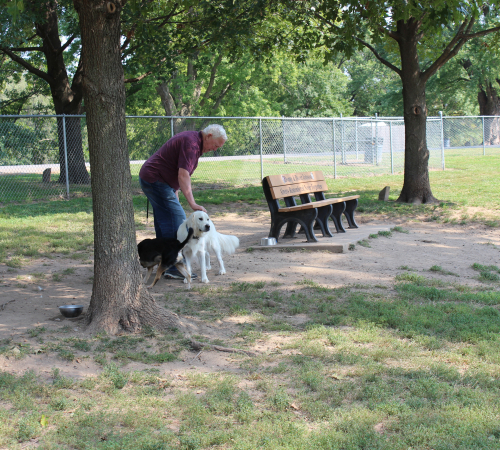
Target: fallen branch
196, 345
3, 305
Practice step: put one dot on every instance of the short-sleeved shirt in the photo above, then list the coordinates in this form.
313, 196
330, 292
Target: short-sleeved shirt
180, 152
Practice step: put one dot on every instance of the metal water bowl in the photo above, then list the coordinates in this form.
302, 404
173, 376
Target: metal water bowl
71, 310
268, 241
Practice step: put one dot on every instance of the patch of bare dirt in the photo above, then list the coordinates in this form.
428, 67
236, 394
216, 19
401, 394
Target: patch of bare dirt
29, 297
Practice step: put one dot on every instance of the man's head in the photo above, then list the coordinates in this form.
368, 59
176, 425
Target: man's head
214, 137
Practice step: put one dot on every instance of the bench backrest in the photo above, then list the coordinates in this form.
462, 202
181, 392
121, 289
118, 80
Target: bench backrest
291, 184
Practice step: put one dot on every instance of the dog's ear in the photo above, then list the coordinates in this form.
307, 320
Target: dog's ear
182, 231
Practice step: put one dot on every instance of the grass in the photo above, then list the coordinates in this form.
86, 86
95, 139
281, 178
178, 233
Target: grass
413, 365
416, 366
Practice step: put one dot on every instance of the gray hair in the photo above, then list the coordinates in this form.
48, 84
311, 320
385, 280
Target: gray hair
216, 131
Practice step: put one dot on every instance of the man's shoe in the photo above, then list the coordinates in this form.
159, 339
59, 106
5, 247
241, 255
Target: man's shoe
174, 274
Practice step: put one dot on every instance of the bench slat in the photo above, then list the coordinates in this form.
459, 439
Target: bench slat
298, 188
292, 178
318, 204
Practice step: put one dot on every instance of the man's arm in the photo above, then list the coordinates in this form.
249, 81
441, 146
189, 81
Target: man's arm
185, 184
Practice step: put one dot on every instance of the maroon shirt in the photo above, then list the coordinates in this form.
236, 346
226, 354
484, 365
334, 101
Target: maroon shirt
180, 152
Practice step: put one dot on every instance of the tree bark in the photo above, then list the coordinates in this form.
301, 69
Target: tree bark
489, 105
416, 186
119, 299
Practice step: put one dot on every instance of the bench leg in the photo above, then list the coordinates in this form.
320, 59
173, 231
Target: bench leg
291, 229
275, 229
322, 220
338, 210
350, 207
305, 218
308, 229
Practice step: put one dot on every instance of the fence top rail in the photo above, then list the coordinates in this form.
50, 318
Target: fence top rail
209, 117
326, 119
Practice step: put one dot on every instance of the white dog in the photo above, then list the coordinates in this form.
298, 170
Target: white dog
205, 239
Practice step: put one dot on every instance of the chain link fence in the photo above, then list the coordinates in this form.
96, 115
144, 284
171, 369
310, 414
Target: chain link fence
46, 157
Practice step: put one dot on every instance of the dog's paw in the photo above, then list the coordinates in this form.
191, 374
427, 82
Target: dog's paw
186, 281
204, 280
222, 272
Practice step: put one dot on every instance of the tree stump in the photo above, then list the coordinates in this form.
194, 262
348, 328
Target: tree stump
46, 176
384, 194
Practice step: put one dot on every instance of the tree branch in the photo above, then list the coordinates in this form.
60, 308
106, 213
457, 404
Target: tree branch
392, 34
213, 72
481, 33
196, 345
27, 65
221, 96
139, 78
382, 60
451, 49
67, 44
27, 49
325, 21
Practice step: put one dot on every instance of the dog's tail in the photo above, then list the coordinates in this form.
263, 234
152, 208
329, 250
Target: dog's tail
185, 241
228, 243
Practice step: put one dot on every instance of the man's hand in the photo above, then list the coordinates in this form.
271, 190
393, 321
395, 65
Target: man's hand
198, 208
185, 184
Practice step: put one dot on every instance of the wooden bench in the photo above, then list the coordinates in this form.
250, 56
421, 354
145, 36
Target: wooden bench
309, 214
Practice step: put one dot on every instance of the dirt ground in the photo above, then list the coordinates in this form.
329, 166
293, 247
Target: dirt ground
29, 297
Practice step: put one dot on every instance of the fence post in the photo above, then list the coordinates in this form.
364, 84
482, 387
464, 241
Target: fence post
342, 138
65, 156
375, 153
356, 136
261, 158
484, 149
334, 152
390, 144
171, 127
442, 138
284, 142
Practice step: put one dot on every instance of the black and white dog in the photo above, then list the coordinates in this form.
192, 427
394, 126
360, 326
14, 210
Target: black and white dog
165, 253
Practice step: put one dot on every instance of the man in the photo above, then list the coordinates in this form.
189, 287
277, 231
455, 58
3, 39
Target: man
169, 170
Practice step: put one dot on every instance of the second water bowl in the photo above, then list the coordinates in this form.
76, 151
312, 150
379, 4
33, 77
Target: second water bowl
268, 241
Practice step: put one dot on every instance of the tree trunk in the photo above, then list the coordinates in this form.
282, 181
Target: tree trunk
119, 299
416, 185
489, 105
67, 99
77, 170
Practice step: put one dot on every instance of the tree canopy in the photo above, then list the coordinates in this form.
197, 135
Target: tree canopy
412, 39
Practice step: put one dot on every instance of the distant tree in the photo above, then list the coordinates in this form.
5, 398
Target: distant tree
33, 41
309, 88
481, 63
194, 46
410, 38
372, 88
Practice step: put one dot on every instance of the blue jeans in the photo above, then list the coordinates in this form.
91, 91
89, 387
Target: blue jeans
167, 211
